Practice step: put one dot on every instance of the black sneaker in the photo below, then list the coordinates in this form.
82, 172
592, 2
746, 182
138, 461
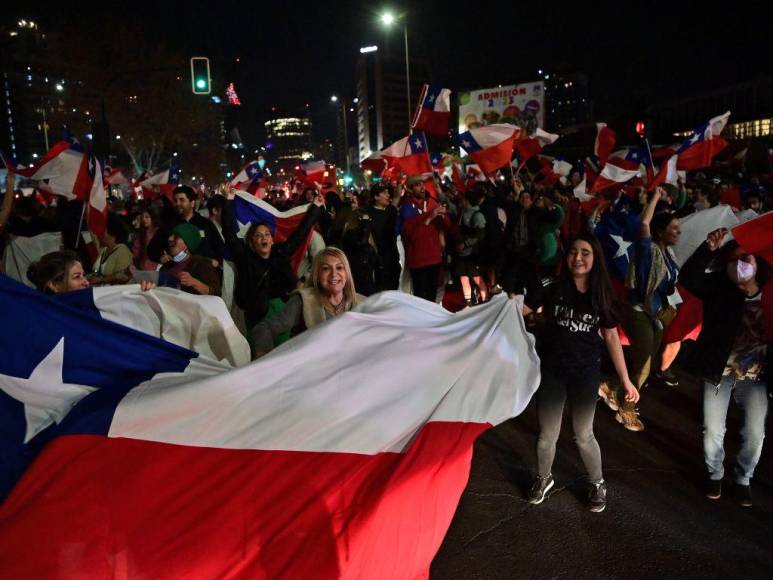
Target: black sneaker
714, 489
598, 496
668, 377
540, 489
743, 495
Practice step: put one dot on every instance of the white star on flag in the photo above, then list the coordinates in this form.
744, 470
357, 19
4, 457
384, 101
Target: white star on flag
430, 98
242, 229
45, 396
417, 143
622, 246
466, 144
695, 138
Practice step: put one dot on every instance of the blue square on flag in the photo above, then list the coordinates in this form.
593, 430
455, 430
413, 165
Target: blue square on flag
417, 142
467, 142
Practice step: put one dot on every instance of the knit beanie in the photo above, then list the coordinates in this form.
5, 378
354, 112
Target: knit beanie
190, 235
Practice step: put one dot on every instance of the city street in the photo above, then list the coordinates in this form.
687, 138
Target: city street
657, 523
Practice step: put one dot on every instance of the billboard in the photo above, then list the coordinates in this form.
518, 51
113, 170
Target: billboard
522, 105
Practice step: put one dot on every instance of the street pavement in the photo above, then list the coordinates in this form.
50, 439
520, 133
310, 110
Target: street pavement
657, 523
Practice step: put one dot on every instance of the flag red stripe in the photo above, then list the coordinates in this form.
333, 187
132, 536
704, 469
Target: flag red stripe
97, 507
756, 236
492, 158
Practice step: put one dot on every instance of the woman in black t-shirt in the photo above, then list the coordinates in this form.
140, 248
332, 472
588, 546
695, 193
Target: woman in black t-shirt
579, 317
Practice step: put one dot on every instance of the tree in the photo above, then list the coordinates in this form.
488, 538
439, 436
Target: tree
144, 89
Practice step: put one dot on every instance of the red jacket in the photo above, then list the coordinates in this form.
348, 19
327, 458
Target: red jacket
422, 241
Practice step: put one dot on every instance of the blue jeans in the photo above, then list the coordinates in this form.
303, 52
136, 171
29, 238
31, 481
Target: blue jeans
752, 398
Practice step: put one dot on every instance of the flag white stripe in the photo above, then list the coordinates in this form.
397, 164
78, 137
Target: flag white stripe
365, 382
270, 208
618, 174
493, 135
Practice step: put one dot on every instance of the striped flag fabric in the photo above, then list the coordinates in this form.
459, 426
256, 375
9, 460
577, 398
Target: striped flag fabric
324, 459
248, 209
491, 147
433, 110
703, 144
70, 171
409, 154
605, 142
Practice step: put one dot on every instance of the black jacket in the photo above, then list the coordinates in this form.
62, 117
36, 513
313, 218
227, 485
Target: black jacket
723, 307
259, 280
534, 218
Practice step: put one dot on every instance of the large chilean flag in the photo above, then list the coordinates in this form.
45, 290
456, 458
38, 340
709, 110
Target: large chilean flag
325, 459
491, 147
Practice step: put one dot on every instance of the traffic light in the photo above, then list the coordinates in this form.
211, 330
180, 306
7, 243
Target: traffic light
201, 83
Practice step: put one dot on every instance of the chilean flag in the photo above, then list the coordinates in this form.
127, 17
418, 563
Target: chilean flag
312, 173
491, 147
73, 173
321, 460
375, 163
699, 149
61, 158
438, 161
410, 154
621, 167
605, 142
457, 177
528, 148
161, 183
114, 176
433, 110
666, 174
248, 210
756, 236
250, 178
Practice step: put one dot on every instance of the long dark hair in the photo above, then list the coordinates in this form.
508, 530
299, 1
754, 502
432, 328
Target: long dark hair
602, 296
51, 268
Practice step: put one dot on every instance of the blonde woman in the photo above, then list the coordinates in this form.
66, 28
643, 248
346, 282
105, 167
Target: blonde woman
330, 293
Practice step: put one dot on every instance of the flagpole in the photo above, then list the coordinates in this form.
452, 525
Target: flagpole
649, 151
80, 225
407, 73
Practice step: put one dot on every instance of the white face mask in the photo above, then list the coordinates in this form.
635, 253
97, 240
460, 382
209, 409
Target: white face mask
740, 271
180, 256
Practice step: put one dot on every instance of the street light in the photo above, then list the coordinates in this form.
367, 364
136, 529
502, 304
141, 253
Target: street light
334, 99
387, 18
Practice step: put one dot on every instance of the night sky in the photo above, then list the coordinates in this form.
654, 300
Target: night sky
292, 53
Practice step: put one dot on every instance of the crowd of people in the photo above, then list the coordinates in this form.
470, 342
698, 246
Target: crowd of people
513, 235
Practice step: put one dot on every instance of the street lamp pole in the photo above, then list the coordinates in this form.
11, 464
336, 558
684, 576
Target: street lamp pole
407, 72
334, 99
346, 136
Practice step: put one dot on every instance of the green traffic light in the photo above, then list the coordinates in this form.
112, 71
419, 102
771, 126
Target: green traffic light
201, 84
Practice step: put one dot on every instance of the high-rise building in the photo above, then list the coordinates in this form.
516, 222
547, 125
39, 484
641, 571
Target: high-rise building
750, 104
382, 107
567, 101
288, 139
37, 96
